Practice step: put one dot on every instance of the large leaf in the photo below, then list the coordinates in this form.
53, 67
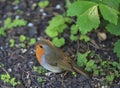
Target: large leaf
79, 7
88, 20
112, 3
109, 13
117, 48
114, 29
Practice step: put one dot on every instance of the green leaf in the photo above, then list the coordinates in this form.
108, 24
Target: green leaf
22, 38
117, 48
43, 4
110, 77
56, 26
7, 23
96, 71
90, 63
82, 58
58, 42
73, 29
73, 37
39, 69
114, 29
68, 20
12, 42
51, 33
32, 41
85, 38
2, 31
79, 7
109, 13
114, 63
88, 20
22, 45
112, 3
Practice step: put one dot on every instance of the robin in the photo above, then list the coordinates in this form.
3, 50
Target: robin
53, 59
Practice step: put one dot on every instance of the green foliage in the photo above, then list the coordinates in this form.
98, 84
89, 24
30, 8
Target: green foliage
22, 38
40, 80
117, 48
114, 29
22, 45
85, 38
87, 13
12, 42
82, 58
32, 41
16, 1
43, 4
73, 37
6, 78
109, 13
39, 69
58, 42
56, 26
110, 77
99, 67
9, 24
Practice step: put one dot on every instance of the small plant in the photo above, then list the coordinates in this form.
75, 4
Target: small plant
57, 26
39, 70
43, 4
9, 24
58, 42
16, 1
99, 68
40, 80
32, 41
12, 42
6, 78
22, 38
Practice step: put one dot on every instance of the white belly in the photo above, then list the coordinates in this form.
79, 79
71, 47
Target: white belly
50, 67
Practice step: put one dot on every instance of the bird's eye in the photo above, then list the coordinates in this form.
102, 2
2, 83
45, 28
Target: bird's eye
41, 46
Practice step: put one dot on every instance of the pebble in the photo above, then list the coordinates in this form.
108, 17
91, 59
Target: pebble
17, 17
9, 70
24, 50
42, 10
58, 6
16, 7
44, 14
48, 74
30, 24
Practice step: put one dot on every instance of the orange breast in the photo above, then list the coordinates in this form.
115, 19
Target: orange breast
39, 52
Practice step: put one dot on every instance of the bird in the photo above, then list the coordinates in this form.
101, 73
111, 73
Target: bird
54, 59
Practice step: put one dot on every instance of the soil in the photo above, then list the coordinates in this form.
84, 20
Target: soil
19, 62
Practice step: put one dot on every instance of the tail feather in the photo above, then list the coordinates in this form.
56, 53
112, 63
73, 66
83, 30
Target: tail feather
80, 71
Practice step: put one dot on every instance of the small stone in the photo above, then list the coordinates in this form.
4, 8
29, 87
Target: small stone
24, 50
101, 36
48, 74
30, 24
17, 17
9, 70
58, 6
42, 10
44, 14
16, 7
